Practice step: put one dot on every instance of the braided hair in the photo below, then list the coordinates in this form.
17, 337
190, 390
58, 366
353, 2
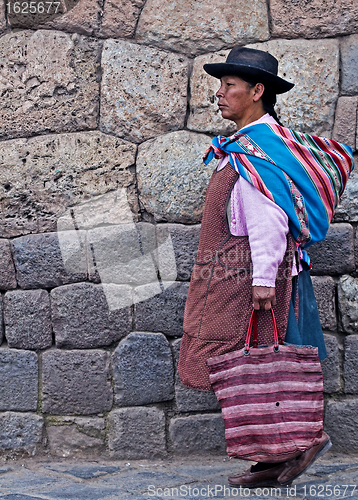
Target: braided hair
268, 98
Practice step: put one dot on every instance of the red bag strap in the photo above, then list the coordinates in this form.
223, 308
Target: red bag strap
253, 329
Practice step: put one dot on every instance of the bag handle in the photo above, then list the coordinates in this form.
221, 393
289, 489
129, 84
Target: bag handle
253, 328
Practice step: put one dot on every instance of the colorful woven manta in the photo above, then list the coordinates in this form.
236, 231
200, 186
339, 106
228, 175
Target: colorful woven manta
303, 174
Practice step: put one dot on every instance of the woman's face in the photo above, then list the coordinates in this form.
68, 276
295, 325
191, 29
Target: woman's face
235, 98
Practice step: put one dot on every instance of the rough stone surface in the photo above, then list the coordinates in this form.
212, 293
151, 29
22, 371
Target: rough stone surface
325, 293
341, 423
187, 398
313, 66
347, 209
27, 319
131, 254
1, 320
82, 18
2, 18
19, 380
345, 124
120, 18
136, 433
185, 241
313, 19
198, 434
172, 179
21, 432
82, 317
42, 176
51, 259
196, 27
348, 303
7, 275
112, 208
155, 103
163, 312
143, 370
50, 82
350, 366
76, 436
76, 382
205, 115
349, 55
330, 366
335, 254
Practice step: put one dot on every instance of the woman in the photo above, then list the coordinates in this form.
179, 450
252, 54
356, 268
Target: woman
258, 216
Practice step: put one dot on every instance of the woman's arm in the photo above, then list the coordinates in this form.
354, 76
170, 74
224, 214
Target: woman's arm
266, 226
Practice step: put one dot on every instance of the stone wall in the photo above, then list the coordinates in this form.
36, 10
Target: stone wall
105, 114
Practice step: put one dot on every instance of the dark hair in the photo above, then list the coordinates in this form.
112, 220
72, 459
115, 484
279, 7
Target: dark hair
268, 98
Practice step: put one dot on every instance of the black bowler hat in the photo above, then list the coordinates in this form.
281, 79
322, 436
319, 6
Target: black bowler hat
254, 64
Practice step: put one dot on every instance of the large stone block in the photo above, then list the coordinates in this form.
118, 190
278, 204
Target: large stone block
313, 18
143, 370
347, 209
163, 312
51, 259
349, 55
19, 380
325, 293
82, 317
313, 66
50, 82
345, 125
82, 16
27, 318
341, 423
205, 115
348, 303
136, 433
187, 398
1, 320
350, 365
130, 254
43, 176
2, 18
172, 179
76, 436
155, 104
76, 382
120, 18
7, 275
198, 434
21, 432
185, 242
330, 366
335, 254
196, 27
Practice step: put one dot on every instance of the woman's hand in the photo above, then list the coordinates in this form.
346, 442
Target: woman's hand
263, 297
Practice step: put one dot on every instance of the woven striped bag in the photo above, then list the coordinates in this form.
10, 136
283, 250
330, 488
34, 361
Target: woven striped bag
271, 398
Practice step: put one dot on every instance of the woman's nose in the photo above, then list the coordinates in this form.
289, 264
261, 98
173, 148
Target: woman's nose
219, 93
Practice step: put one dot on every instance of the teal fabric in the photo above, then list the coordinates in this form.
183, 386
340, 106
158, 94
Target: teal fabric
307, 330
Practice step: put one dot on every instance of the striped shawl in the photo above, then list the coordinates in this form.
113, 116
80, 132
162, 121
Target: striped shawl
303, 174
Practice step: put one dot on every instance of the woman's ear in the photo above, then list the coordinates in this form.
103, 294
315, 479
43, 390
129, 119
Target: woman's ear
259, 89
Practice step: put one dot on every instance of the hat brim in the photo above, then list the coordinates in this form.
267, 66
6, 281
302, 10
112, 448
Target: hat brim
276, 83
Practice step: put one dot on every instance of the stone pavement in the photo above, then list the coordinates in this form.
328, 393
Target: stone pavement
332, 476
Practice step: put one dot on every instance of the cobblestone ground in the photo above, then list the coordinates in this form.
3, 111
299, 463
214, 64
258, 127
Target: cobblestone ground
332, 476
